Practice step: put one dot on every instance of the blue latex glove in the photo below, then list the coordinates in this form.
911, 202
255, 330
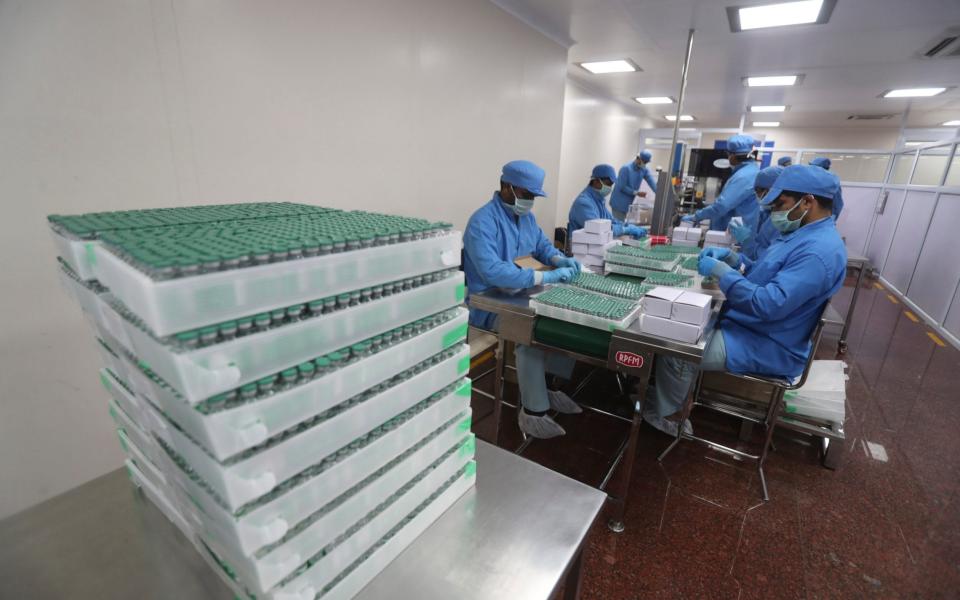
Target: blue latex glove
635, 231
560, 275
740, 232
725, 254
707, 266
688, 219
570, 263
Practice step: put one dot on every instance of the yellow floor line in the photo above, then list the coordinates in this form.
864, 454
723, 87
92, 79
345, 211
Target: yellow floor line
891, 298
479, 359
877, 285
911, 316
936, 339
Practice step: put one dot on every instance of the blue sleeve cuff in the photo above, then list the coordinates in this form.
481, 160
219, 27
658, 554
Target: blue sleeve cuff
728, 279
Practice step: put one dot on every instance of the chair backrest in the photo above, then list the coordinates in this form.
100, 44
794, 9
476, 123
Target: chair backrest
815, 336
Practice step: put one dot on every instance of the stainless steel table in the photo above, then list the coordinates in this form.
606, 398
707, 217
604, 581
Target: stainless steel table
861, 263
519, 534
630, 352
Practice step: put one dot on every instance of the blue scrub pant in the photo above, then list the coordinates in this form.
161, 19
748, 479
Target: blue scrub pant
675, 376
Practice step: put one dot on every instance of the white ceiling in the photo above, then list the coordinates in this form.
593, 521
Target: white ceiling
867, 47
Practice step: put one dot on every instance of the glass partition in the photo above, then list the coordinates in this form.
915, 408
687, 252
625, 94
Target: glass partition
953, 175
931, 165
854, 166
902, 163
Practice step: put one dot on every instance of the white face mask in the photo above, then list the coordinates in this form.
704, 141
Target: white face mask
605, 190
521, 206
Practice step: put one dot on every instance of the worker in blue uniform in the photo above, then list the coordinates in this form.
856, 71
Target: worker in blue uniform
592, 204
824, 163
772, 304
497, 234
765, 232
784, 161
628, 184
737, 197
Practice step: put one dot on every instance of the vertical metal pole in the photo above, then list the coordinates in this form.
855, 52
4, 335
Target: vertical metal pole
683, 89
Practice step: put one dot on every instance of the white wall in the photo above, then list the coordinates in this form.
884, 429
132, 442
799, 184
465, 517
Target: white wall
409, 107
595, 130
859, 138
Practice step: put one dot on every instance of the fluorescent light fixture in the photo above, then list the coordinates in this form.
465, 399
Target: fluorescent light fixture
772, 80
602, 67
914, 92
951, 123
768, 108
912, 144
674, 117
766, 123
655, 100
780, 14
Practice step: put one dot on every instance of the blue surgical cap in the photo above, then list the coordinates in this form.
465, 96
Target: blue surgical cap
766, 177
524, 174
785, 161
645, 156
821, 161
740, 144
804, 179
601, 171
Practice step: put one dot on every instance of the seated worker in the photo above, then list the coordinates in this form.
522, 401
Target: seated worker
592, 204
784, 161
498, 233
824, 163
737, 197
628, 184
765, 231
772, 307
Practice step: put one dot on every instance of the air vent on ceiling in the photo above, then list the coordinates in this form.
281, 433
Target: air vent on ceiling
946, 45
869, 117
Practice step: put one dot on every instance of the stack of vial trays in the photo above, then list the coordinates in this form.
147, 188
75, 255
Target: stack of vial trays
302, 418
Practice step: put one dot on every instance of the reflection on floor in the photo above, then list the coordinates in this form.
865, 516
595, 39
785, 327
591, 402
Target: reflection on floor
886, 524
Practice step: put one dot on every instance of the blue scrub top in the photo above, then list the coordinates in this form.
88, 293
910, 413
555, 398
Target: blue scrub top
590, 204
493, 239
738, 198
766, 233
771, 311
628, 183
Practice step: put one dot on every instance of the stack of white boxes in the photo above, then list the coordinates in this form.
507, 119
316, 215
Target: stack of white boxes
675, 314
590, 242
303, 420
718, 239
686, 236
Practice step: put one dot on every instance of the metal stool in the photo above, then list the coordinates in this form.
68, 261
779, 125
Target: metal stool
769, 421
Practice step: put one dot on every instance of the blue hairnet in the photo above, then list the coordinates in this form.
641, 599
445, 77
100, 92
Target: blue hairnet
785, 161
601, 171
805, 179
740, 144
821, 161
645, 156
766, 177
524, 174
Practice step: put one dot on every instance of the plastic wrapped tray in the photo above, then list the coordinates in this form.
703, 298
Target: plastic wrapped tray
599, 284
545, 305
186, 303
639, 257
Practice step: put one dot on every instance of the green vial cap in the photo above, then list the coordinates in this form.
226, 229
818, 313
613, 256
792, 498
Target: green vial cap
209, 330
306, 368
186, 336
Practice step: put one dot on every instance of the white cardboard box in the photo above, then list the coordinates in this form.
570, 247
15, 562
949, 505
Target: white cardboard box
687, 243
674, 330
719, 237
711, 245
583, 237
692, 308
694, 233
659, 301
597, 225
580, 248
680, 233
589, 260
596, 249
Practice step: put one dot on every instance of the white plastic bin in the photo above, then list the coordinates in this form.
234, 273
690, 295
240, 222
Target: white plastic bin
186, 303
268, 522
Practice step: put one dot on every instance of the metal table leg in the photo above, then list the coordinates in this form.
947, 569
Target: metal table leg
842, 344
498, 391
571, 587
620, 503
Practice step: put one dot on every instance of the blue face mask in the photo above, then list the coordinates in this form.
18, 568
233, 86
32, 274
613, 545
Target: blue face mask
605, 190
780, 219
522, 207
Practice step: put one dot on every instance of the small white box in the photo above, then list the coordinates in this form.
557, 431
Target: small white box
674, 330
580, 248
596, 249
583, 237
680, 233
694, 233
590, 260
659, 301
692, 308
597, 225
714, 245
719, 237
686, 243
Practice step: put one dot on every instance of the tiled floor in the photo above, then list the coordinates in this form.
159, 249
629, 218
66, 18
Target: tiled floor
886, 524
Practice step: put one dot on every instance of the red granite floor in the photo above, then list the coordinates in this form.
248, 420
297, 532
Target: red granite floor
886, 524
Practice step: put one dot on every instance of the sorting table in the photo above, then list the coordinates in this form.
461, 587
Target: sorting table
630, 352
519, 534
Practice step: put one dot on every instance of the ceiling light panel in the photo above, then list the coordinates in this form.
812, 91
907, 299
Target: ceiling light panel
603, 67
682, 117
768, 108
914, 92
766, 123
772, 80
655, 100
951, 123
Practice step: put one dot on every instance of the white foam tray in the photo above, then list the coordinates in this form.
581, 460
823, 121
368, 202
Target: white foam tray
137, 434
307, 585
243, 481
189, 302
269, 522
228, 432
204, 372
572, 316
156, 495
263, 573
134, 451
79, 254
